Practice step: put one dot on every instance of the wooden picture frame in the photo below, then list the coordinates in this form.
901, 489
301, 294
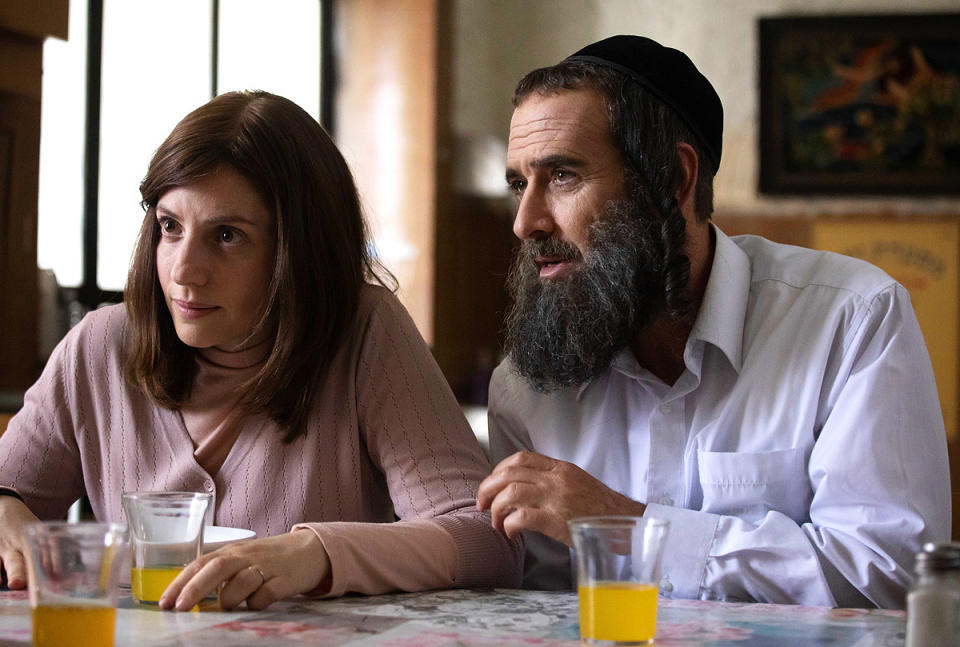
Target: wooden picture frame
860, 104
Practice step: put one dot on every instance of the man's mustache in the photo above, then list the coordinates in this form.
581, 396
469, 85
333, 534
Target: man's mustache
552, 247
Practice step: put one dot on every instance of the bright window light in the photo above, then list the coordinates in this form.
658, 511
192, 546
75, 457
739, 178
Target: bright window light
156, 66
155, 70
272, 46
60, 203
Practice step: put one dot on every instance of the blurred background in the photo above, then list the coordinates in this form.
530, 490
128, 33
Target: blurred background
417, 95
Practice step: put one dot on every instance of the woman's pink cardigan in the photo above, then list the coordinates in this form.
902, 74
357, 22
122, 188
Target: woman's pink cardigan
386, 437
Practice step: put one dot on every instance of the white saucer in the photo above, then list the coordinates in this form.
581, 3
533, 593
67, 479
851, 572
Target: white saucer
215, 537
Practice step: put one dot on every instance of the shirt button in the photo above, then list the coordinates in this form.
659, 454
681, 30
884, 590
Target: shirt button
665, 500
208, 486
665, 408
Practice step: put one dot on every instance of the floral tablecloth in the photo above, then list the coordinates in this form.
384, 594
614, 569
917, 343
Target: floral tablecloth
476, 619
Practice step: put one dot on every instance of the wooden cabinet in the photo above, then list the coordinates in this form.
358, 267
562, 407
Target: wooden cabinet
23, 28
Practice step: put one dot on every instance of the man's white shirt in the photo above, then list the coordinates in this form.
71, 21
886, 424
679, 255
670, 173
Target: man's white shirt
800, 457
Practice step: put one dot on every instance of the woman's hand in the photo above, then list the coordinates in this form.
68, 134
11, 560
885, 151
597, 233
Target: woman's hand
260, 571
14, 514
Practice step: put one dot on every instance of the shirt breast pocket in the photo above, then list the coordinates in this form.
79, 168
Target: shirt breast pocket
748, 485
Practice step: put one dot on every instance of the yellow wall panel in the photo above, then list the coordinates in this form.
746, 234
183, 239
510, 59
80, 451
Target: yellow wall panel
924, 257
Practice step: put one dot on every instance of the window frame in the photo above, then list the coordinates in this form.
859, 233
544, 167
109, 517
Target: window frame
88, 295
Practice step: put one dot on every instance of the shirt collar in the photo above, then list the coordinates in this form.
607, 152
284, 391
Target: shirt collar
623, 362
723, 310
720, 319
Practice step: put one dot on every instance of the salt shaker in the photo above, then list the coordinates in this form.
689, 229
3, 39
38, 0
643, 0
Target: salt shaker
933, 603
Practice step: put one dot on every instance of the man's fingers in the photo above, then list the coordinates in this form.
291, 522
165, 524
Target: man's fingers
486, 491
522, 466
529, 491
525, 506
532, 460
504, 477
513, 496
491, 487
540, 520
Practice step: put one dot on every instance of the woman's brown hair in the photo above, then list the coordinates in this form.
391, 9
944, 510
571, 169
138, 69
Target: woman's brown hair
323, 255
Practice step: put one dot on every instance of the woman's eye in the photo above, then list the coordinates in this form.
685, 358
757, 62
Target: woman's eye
229, 235
168, 226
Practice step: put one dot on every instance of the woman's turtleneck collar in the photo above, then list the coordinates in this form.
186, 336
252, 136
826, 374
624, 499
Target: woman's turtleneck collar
244, 358
211, 415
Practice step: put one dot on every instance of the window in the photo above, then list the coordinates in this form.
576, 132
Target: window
129, 72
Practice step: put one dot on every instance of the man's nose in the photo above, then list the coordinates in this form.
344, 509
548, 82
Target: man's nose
534, 219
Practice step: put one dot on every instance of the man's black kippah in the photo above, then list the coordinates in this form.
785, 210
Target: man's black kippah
671, 77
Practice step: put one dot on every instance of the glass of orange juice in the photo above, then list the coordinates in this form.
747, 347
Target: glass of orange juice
618, 570
166, 533
72, 572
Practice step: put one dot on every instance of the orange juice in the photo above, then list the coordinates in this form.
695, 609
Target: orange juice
622, 611
63, 626
148, 584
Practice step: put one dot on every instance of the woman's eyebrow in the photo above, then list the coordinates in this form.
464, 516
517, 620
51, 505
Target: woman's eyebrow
220, 219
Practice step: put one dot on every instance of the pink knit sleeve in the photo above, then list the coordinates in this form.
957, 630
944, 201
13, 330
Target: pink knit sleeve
376, 558
39, 458
417, 436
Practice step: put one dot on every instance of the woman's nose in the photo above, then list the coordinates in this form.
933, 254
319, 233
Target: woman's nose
190, 263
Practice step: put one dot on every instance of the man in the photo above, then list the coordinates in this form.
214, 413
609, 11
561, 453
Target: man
775, 404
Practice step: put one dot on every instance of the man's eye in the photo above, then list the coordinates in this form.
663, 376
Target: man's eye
517, 186
228, 236
562, 175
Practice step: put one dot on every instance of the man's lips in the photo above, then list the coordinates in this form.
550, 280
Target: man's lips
193, 309
551, 266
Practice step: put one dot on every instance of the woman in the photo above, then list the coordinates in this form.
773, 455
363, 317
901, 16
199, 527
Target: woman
253, 359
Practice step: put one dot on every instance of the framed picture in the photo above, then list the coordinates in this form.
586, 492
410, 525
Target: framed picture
860, 104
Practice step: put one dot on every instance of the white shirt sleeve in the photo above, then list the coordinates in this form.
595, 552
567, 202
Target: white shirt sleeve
878, 473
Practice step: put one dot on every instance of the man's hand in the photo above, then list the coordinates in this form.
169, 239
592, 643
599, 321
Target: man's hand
260, 571
14, 514
529, 491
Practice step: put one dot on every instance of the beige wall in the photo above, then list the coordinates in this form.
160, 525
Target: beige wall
496, 41
385, 127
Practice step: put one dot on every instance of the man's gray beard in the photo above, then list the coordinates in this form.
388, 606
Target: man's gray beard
564, 332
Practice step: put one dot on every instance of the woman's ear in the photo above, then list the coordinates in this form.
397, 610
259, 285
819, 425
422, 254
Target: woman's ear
690, 167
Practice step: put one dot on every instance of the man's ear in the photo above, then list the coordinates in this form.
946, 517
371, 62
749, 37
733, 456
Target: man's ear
690, 167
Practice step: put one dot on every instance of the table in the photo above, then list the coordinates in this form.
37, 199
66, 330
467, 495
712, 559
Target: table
475, 619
